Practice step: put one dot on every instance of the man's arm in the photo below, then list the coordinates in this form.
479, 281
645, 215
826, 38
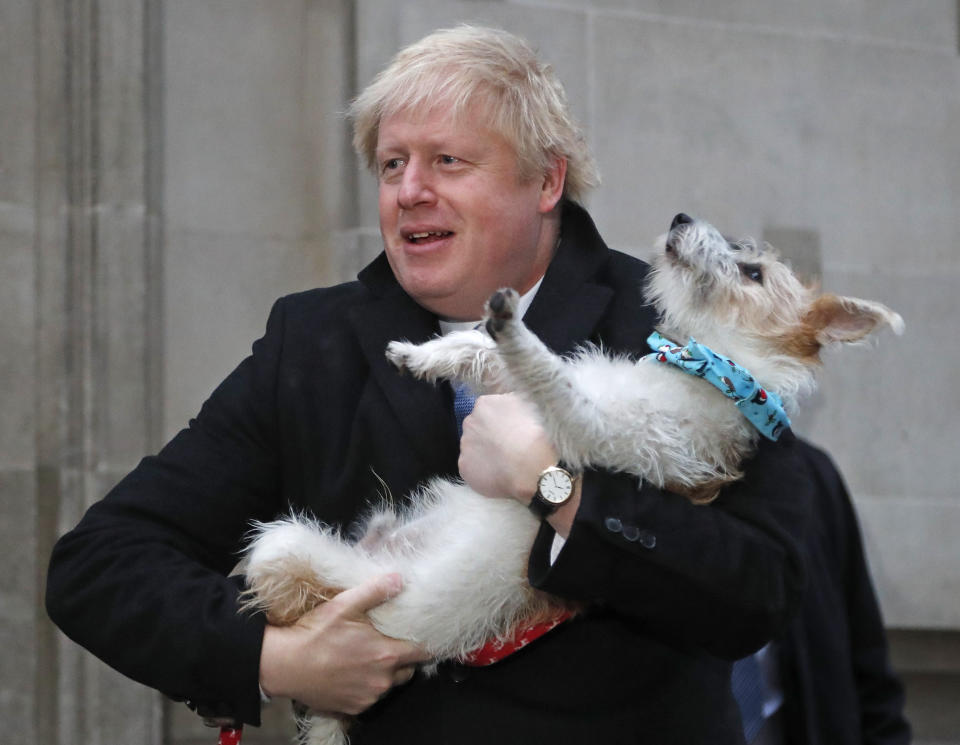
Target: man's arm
725, 576
142, 580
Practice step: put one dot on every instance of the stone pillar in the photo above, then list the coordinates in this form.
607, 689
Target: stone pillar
79, 222
19, 555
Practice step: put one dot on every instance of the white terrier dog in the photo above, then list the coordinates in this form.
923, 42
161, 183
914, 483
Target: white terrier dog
640, 417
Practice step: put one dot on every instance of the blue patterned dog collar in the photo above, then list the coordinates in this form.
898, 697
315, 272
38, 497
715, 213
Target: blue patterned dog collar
763, 408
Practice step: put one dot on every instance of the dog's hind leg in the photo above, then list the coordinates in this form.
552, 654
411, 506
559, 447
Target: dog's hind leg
323, 729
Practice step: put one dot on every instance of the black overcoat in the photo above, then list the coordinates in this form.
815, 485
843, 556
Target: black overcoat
316, 416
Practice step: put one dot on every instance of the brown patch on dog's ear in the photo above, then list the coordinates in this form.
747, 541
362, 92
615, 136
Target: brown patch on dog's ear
848, 319
801, 343
835, 319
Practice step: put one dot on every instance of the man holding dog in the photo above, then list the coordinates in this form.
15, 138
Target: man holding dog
480, 171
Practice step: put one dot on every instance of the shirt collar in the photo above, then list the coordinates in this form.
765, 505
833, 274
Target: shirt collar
526, 300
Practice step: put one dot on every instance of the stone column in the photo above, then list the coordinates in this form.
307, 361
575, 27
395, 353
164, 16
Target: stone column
79, 224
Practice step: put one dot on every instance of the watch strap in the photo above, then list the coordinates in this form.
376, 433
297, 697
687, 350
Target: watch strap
541, 507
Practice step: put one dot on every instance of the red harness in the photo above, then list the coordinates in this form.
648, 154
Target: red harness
496, 649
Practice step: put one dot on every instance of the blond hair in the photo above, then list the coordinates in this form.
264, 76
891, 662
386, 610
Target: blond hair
521, 96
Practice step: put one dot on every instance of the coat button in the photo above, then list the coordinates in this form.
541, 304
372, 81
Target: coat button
647, 539
631, 532
613, 525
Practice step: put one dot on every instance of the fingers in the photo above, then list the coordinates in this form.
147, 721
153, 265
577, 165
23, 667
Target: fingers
355, 602
505, 430
403, 675
362, 598
334, 659
409, 654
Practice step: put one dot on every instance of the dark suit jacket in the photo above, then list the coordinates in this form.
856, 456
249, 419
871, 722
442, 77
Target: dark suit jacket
839, 688
308, 419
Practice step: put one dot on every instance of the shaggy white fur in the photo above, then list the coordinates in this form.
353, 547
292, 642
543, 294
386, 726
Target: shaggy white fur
634, 416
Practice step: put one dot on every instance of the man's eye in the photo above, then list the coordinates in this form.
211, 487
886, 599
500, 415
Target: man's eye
392, 164
449, 159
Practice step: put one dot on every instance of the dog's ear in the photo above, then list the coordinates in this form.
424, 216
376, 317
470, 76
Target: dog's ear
835, 318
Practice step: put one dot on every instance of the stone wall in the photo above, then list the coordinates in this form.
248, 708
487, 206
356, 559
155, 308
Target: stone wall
168, 168
81, 243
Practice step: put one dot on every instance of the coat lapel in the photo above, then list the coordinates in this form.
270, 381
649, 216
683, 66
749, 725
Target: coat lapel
570, 303
420, 409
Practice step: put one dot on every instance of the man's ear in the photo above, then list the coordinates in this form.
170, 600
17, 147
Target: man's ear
551, 189
848, 319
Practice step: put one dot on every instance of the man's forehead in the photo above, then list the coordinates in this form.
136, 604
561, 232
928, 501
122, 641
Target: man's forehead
436, 125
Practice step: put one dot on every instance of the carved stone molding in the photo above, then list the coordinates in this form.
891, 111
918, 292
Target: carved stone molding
97, 240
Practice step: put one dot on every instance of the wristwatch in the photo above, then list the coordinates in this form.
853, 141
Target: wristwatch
554, 489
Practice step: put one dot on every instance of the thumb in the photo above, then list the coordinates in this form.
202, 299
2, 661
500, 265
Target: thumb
370, 594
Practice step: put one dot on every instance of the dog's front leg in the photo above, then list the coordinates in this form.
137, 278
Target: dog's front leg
594, 409
543, 378
466, 356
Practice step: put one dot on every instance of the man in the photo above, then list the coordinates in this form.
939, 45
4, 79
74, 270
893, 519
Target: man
837, 683
480, 168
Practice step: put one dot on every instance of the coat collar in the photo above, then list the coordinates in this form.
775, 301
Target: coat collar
565, 312
571, 301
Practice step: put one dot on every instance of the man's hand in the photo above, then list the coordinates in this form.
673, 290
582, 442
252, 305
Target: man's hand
333, 659
504, 449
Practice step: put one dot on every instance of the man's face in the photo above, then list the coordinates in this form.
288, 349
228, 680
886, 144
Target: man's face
457, 220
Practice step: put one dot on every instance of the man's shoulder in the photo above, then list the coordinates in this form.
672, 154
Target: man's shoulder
298, 319
818, 460
626, 275
332, 301
590, 254
622, 264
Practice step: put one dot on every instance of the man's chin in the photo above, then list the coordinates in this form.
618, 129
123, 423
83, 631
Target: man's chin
451, 305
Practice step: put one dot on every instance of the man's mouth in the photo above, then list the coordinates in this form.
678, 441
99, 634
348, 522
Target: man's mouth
427, 236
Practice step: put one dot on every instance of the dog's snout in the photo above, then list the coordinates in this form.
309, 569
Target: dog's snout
681, 219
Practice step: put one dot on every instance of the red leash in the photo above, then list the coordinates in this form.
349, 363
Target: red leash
230, 735
230, 729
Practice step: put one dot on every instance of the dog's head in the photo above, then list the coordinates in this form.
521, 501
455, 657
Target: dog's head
737, 297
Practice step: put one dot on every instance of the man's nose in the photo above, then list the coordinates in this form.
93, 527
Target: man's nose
416, 186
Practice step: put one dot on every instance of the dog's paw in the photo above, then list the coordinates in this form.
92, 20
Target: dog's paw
501, 308
401, 355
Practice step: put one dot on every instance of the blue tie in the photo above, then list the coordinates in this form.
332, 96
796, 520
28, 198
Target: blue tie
748, 690
463, 401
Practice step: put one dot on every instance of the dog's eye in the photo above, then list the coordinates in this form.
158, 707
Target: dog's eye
753, 272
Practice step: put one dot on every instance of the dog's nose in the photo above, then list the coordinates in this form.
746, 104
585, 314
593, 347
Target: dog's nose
681, 219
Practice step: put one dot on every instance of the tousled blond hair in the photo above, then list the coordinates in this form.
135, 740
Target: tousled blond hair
457, 67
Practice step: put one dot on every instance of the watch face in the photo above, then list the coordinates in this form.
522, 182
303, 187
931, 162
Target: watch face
555, 486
